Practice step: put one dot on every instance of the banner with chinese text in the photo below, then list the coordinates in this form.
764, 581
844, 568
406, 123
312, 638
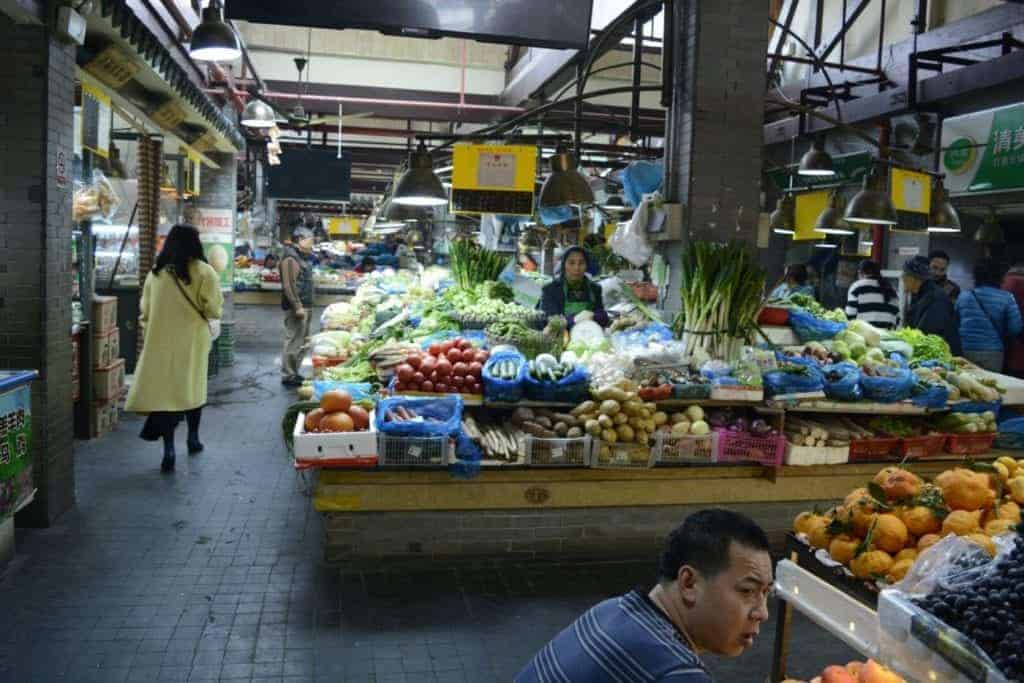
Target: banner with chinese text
984, 151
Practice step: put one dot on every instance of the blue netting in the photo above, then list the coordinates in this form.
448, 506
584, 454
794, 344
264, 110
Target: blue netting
847, 386
929, 395
467, 458
1011, 434
358, 391
573, 388
641, 336
442, 415
496, 389
809, 328
640, 178
779, 383
895, 385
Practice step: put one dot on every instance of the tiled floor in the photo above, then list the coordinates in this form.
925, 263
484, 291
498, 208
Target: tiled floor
214, 573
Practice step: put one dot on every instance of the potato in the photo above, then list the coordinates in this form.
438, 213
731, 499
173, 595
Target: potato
605, 453
561, 429
593, 427
620, 418
675, 418
660, 418
574, 433
610, 407
609, 435
585, 407
633, 408
605, 421
625, 432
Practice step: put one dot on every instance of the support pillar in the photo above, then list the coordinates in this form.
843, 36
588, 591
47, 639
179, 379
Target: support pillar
36, 153
714, 127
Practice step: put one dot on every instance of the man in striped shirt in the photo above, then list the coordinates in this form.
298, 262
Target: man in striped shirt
714, 579
872, 299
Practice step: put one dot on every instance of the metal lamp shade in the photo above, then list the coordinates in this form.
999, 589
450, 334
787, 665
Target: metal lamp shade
990, 231
830, 221
783, 217
213, 40
871, 205
614, 203
816, 162
258, 114
944, 217
565, 185
419, 186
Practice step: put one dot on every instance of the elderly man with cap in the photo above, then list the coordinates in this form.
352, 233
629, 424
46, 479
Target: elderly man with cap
297, 302
930, 310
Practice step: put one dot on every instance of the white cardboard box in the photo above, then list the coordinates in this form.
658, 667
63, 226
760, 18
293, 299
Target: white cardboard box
336, 449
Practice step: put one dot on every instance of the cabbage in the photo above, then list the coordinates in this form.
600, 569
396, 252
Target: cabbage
841, 349
877, 355
872, 336
857, 350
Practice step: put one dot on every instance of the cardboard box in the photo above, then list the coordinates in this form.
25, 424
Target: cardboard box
336, 449
107, 348
103, 417
109, 381
104, 314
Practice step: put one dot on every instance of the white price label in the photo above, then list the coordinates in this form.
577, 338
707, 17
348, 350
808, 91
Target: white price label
415, 451
557, 453
496, 170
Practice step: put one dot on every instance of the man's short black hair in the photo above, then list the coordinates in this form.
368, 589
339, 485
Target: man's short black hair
938, 253
988, 273
703, 540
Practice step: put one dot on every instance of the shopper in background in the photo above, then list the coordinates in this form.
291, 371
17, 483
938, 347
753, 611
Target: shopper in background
989, 317
365, 266
270, 262
714, 579
938, 262
297, 302
1014, 284
793, 282
872, 299
179, 297
572, 294
930, 309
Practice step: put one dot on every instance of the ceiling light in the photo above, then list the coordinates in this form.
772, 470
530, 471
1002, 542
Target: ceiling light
872, 204
565, 185
783, 218
943, 217
816, 162
419, 186
614, 203
258, 114
213, 40
990, 231
830, 221
825, 245
867, 243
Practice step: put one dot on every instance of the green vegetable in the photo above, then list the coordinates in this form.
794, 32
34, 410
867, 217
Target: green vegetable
471, 264
893, 426
926, 346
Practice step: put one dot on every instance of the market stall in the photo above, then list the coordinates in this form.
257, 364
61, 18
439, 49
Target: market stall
480, 404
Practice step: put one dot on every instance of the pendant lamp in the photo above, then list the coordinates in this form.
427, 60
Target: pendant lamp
783, 217
816, 162
419, 186
258, 114
830, 221
565, 185
872, 204
213, 40
990, 231
943, 217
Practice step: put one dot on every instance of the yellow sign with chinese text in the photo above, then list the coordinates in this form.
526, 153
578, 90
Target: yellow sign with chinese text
113, 67
343, 225
494, 167
911, 191
809, 206
168, 115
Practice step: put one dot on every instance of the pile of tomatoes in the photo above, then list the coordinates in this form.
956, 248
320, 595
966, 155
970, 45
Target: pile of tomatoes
450, 367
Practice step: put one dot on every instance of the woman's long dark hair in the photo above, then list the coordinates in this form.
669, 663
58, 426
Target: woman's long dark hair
872, 271
180, 249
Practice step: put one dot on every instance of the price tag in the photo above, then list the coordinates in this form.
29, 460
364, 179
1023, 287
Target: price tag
558, 453
415, 451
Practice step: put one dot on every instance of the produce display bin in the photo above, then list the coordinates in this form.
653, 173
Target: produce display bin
568, 452
691, 392
104, 314
744, 447
629, 456
737, 393
684, 449
334, 449
773, 315
106, 348
414, 451
874, 450
970, 444
15, 437
927, 446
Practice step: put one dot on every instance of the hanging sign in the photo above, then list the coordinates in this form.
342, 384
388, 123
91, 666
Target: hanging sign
205, 142
911, 194
494, 179
192, 166
216, 232
96, 120
113, 67
809, 206
984, 151
342, 225
15, 440
168, 115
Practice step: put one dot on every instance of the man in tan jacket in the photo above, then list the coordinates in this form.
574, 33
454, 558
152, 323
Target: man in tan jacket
297, 302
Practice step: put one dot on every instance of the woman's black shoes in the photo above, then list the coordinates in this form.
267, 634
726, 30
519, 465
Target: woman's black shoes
167, 464
195, 447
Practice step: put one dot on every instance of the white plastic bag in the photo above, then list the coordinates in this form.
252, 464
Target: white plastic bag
630, 239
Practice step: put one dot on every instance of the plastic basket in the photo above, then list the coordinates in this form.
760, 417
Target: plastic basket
870, 450
621, 456
1010, 441
574, 452
745, 447
927, 446
970, 444
414, 451
684, 449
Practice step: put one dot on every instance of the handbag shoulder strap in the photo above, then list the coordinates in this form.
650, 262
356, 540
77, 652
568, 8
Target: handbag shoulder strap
181, 289
991, 320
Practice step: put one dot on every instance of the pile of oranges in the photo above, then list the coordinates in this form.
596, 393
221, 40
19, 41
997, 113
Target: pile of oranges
337, 413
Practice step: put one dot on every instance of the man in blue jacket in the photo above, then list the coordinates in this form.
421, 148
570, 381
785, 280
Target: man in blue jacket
989, 317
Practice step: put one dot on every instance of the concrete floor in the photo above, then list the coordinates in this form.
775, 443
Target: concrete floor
215, 573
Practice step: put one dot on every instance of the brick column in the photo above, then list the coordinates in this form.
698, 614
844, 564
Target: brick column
148, 215
36, 130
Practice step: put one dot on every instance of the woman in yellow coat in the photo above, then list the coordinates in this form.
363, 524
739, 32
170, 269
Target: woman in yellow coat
178, 298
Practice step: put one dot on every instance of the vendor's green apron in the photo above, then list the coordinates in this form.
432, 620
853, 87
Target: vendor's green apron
574, 308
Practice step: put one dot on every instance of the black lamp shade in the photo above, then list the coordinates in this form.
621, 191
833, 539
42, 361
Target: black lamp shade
783, 217
943, 217
990, 231
565, 185
872, 204
816, 162
419, 186
830, 221
258, 114
213, 40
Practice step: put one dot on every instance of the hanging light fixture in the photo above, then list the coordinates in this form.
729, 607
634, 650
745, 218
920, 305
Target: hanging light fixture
825, 245
872, 204
990, 232
830, 221
258, 114
615, 203
783, 217
565, 185
943, 217
816, 162
213, 40
419, 186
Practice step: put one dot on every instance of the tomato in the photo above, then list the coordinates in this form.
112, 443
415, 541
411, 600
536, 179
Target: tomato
426, 385
475, 369
413, 386
434, 349
481, 357
447, 346
428, 365
433, 376
399, 387
418, 377
465, 344
444, 368
414, 360
460, 369
441, 388
404, 372
458, 380
454, 355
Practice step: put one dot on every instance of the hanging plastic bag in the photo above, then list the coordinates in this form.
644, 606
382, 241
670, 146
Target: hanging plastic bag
98, 199
789, 380
896, 384
630, 239
359, 391
809, 328
640, 178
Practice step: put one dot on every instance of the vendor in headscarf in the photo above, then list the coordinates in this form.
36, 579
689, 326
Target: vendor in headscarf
572, 293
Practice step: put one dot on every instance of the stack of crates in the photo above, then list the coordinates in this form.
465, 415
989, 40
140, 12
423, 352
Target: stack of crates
226, 344
108, 367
